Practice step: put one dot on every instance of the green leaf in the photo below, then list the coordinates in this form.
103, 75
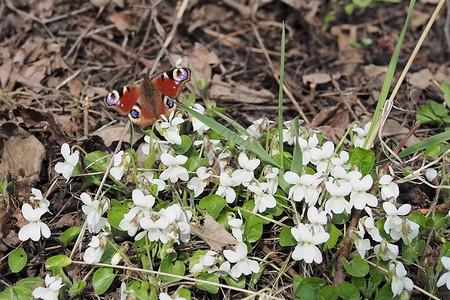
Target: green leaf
194, 162
297, 156
347, 291
213, 289
77, 288
239, 283
286, 238
98, 161
417, 246
102, 279
253, 229
115, 215
446, 89
385, 293
362, 3
172, 266
69, 235
149, 160
213, 204
16, 293
327, 293
57, 261
186, 143
308, 288
349, 8
358, 267
334, 236
364, 159
17, 260
373, 284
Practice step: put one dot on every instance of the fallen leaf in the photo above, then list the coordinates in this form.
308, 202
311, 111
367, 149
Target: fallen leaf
235, 92
421, 79
332, 122
318, 78
23, 156
419, 18
111, 134
45, 120
214, 234
5, 72
124, 20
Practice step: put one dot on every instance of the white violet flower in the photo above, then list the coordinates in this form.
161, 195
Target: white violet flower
196, 124
51, 289
399, 279
169, 128
121, 163
321, 157
174, 169
243, 265
445, 278
97, 245
94, 209
70, 161
36, 195
36, 227
307, 240
245, 175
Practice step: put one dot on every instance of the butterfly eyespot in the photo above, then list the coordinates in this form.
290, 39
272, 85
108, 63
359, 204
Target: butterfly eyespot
180, 74
135, 112
113, 98
169, 102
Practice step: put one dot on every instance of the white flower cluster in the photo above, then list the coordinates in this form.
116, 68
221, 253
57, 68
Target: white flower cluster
171, 223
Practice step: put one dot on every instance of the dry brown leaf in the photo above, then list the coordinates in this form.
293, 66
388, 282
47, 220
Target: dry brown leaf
111, 134
23, 155
9, 128
5, 72
332, 122
235, 92
31, 76
397, 132
336, 116
421, 79
214, 234
34, 118
419, 18
318, 78
124, 20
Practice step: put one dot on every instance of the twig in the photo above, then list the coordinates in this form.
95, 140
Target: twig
340, 275
171, 34
84, 33
111, 162
404, 140
45, 20
274, 73
125, 52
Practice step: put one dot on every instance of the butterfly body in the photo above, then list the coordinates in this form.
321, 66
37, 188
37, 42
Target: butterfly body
148, 99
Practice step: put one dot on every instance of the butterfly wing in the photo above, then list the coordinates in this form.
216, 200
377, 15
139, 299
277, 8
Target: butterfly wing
147, 101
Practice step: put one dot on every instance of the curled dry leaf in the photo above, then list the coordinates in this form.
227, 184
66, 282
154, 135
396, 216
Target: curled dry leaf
45, 120
332, 122
214, 234
235, 92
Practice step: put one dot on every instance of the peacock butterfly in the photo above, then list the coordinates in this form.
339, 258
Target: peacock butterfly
148, 99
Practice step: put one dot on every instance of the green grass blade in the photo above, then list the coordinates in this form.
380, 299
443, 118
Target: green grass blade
425, 144
373, 131
232, 136
280, 97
